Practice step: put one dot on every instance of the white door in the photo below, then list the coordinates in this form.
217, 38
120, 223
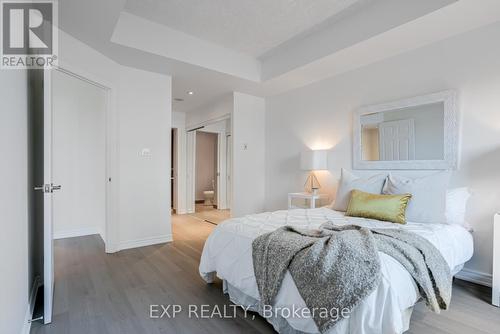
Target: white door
48, 193
397, 140
43, 188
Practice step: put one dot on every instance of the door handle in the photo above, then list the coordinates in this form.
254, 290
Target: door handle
48, 188
45, 188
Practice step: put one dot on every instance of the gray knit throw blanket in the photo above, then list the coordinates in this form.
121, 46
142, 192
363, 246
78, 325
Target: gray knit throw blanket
335, 267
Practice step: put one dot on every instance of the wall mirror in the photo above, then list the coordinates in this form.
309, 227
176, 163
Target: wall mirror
415, 133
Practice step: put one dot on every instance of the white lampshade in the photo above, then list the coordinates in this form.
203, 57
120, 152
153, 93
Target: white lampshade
314, 160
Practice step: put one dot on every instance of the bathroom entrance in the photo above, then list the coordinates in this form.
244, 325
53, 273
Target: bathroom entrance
211, 172
206, 171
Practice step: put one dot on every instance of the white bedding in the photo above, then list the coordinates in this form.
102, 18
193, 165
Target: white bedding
228, 252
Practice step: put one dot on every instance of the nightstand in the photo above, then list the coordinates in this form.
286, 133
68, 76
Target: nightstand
495, 300
313, 199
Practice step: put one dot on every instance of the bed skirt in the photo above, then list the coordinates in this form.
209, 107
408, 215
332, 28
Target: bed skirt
279, 323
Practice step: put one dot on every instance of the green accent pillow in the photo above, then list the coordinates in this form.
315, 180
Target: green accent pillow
390, 208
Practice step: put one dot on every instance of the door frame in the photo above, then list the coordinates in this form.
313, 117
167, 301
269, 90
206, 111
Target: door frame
222, 203
111, 126
190, 170
112, 148
181, 195
221, 172
229, 170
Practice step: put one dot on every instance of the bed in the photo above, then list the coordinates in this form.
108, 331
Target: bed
228, 255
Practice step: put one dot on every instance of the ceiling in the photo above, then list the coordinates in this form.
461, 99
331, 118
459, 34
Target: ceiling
252, 27
262, 47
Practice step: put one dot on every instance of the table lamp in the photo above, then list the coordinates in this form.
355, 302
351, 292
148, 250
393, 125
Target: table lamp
313, 160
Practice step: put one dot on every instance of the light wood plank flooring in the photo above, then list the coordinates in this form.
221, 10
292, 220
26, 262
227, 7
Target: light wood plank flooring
209, 214
111, 293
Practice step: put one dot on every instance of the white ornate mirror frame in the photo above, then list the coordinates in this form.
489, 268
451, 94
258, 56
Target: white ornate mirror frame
451, 136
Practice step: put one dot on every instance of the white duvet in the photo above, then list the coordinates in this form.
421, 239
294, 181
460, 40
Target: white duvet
228, 253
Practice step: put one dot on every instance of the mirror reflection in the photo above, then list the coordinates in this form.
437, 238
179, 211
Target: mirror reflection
413, 133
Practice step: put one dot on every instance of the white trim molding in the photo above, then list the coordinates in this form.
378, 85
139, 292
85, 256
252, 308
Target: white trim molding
143, 242
111, 230
80, 232
495, 295
451, 133
31, 305
475, 277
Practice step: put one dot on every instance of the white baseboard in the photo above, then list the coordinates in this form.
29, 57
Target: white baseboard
77, 232
31, 305
145, 242
475, 277
102, 235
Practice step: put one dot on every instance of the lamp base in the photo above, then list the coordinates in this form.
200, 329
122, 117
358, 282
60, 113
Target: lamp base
312, 184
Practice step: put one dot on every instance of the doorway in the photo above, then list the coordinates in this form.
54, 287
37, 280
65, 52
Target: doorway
209, 204
206, 172
79, 156
71, 150
209, 165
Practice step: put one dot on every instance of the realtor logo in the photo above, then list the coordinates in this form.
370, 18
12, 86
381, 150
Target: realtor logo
29, 34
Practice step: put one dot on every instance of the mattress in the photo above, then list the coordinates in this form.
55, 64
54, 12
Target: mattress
228, 254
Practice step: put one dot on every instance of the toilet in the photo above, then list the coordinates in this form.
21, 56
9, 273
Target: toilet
209, 197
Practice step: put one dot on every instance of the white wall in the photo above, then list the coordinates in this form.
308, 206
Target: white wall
249, 149
144, 108
141, 107
219, 108
14, 283
320, 116
79, 156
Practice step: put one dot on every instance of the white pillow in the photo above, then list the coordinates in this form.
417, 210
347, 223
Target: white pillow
456, 205
428, 202
348, 182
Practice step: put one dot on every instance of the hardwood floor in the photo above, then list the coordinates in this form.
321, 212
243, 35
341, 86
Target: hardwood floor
112, 293
210, 214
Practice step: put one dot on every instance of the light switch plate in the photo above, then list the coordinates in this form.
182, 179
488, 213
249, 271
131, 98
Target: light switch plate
145, 152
